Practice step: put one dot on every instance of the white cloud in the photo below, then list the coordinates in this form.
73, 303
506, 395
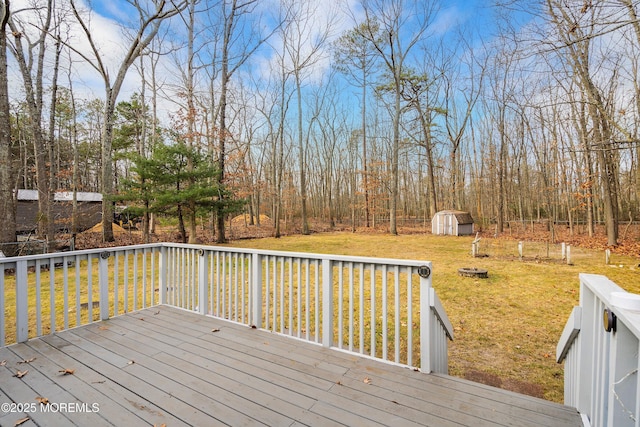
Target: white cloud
108, 35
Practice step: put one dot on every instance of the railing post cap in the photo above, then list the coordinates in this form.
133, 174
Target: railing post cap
424, 271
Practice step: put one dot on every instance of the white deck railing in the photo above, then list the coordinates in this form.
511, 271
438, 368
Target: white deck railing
601, 367
382, 308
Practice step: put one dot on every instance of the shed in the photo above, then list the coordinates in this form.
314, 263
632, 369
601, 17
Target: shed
454, 223
88, 214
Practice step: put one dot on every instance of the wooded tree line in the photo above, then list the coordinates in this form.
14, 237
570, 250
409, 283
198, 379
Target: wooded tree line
302, 110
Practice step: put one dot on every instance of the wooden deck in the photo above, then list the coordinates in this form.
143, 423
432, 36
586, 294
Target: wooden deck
167, 366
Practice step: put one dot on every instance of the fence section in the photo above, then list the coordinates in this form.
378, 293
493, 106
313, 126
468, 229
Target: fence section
363, 305
381, 308
41, 294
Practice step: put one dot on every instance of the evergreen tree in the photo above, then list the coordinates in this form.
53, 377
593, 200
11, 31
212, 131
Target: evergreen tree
164, 184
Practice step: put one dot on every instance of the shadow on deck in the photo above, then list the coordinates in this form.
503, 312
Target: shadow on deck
163, 365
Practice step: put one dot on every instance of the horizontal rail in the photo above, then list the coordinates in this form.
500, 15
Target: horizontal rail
569, 334
382, 308
53, 292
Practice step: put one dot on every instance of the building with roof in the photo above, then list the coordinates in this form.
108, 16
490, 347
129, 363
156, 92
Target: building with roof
88, 213
451, 222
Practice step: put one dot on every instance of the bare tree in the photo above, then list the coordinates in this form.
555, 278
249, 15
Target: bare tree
355, 56
575, 29
189, 116
273, 101
31, 61
457, 120
416, 91
149, 24
7, 212
240, 40
403, 23
303, 43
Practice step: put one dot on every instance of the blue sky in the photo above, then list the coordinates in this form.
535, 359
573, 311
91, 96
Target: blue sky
473, 17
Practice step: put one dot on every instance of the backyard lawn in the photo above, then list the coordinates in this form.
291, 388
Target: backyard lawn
507, 326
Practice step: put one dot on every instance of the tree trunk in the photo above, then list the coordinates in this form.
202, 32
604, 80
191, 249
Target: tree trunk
395, 148
34, 97
191, 118
426, 133
149, 27
302, 163
220, 211
7, 211
365, 174
107, 167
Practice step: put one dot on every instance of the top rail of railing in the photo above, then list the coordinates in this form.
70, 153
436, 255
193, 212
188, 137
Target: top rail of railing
365, 305
9, 262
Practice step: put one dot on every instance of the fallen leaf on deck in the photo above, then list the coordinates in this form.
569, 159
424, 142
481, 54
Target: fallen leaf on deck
27, 360
339, 383
21, 421
141, 318
42, 400
67, 371
215, 330
157, 312
131, 362
20, 374
161, 425
254, 327
367, 380
3, 362
98, 382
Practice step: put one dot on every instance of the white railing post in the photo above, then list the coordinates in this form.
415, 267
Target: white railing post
442, 330
327, 303
103, 283
567, 348
22, 302
599, 346
256, 290
163, 262
587, 357
202, 281
425, 318
198, 277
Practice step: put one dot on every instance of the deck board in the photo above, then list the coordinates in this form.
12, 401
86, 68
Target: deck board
167, 366
122, 399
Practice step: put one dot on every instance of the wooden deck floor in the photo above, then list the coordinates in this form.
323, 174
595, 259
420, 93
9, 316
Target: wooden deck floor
166, 366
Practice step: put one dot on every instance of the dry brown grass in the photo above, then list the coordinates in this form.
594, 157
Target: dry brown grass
79, 299
506, 326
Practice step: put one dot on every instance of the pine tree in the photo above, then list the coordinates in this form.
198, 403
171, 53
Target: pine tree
164, 184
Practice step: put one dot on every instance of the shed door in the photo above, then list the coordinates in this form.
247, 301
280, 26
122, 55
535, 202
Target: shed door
448, 224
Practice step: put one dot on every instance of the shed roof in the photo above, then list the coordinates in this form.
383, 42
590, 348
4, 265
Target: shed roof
461, 216
60, 196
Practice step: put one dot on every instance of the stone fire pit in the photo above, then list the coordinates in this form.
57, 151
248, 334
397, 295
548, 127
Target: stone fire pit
479, 273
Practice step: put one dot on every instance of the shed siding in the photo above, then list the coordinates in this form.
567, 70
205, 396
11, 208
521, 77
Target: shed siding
89, 211
453, 223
